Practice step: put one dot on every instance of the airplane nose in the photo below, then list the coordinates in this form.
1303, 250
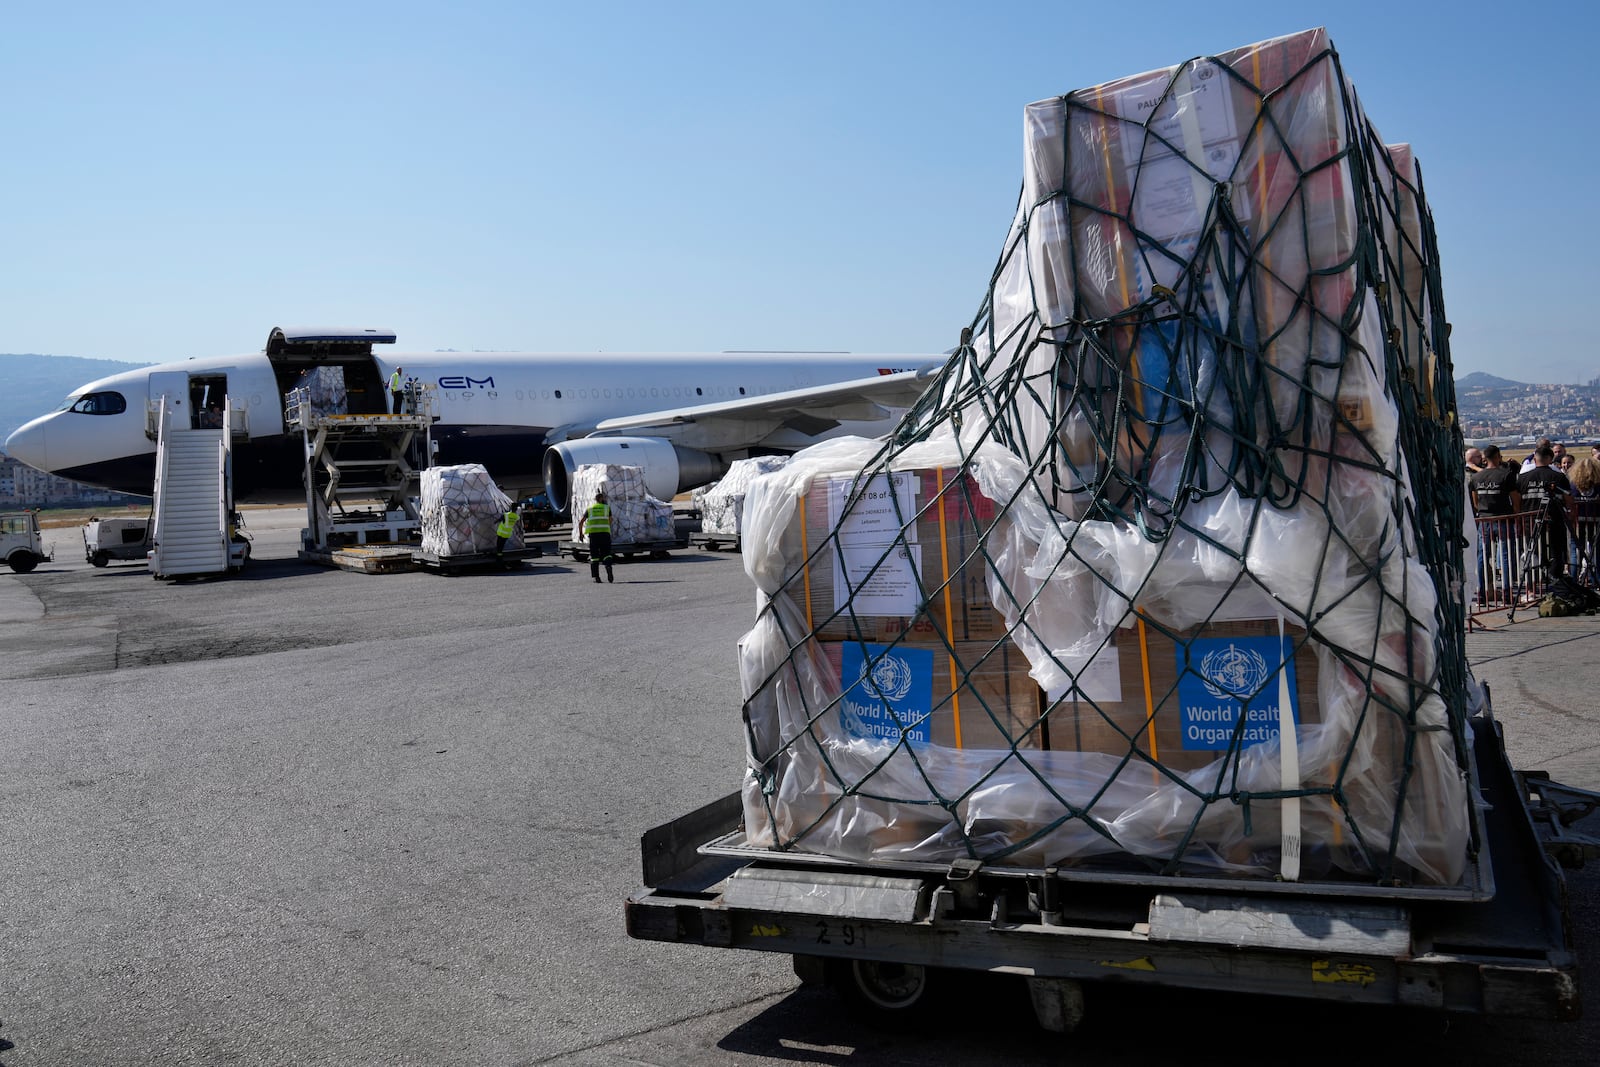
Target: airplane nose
29, 444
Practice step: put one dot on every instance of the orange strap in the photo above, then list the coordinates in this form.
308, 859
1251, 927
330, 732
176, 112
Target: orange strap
1149, 698
949, 617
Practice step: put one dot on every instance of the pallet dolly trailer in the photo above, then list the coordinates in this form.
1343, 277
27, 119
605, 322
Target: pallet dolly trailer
884, 935
457, 563
627, 550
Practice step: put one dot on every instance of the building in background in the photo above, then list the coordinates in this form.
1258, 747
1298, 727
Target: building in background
23, 486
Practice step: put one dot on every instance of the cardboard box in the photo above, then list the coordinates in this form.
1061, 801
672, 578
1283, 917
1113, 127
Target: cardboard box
902, 558
981, 697
1177, 696
1120, 181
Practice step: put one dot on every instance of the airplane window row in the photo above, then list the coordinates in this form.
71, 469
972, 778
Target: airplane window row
99, 404
583, 394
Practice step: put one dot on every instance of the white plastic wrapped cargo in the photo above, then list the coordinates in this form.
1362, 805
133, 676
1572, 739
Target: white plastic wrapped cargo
324, 390
461, 508
721, 505
636, 516
816, 780
1216, 547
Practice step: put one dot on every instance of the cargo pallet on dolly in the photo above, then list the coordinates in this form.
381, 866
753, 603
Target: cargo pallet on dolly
579, 550
457, 562
883, 935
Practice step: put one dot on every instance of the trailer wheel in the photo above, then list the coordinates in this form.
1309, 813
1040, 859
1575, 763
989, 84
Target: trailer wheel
22, 562
1057, 1003
100, 558
811, 970
889, 993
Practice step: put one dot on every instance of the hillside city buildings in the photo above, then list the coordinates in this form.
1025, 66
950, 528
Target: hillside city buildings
21, 486
1512, 411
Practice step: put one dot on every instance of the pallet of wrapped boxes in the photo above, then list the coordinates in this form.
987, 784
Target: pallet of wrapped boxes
461, 508
1160, 577
721, 505
640, 524
1138, 653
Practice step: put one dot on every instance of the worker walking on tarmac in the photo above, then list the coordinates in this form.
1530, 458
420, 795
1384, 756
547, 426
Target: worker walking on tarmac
597, 528
503, 532
396, 397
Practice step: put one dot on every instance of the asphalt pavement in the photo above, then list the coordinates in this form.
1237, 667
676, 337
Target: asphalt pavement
306, 816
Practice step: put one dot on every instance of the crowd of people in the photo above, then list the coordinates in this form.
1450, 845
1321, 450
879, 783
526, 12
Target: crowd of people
1537, 522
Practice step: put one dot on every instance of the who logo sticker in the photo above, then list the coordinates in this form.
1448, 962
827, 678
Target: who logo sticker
890, 692
1217, 675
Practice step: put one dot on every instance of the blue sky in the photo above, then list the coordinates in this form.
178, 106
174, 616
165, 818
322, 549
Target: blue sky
692, 176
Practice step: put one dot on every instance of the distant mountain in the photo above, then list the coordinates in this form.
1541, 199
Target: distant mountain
31, 385
1480, 380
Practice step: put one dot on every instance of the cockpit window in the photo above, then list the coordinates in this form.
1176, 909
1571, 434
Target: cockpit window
100, 404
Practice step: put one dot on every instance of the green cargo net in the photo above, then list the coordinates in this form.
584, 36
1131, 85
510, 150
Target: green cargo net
1165, 570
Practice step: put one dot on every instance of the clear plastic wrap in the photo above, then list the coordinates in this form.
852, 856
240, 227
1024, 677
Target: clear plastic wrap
460, 509
324, 390
1157, 574
721, 505
636, 516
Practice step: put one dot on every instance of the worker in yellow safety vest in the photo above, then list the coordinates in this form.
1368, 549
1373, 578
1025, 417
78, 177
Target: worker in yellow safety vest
396, 396
597, 529
503, 532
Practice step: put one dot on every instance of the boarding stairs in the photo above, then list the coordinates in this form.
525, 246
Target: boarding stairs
363, 471
189, 533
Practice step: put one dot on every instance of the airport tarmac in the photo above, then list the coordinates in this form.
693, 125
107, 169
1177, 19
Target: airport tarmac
306, 816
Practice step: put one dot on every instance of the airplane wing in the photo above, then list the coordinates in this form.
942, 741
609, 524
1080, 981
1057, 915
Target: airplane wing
756, 420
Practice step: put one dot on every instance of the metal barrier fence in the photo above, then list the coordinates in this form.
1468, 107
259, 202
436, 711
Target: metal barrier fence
1520, 555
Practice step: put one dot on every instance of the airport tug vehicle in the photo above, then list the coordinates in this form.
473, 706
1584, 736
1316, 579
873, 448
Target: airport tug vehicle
21, 546
105, 540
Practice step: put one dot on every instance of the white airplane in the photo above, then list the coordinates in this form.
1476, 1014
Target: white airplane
530, 418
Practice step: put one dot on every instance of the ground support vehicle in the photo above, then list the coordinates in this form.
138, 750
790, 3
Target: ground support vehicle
105, 540
537, 512
21, 546
456, 563
884, 935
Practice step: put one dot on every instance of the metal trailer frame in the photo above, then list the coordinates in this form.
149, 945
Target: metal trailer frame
881, 933
716, 542
455, 563
579, 550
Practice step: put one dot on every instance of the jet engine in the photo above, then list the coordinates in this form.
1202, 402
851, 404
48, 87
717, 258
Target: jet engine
668, 468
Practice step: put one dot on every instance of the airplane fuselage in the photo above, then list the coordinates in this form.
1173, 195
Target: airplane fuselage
498, 409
